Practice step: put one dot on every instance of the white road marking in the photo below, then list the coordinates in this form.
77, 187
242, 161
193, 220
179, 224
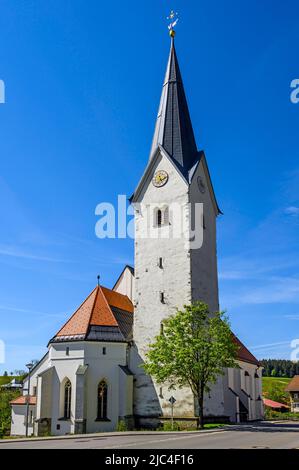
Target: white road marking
160, 440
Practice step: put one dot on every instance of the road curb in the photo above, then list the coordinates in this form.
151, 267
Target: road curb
112, 434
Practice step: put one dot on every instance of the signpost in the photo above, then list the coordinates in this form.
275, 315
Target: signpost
172, 401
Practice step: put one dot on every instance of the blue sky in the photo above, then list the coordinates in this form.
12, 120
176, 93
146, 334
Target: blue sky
83, 81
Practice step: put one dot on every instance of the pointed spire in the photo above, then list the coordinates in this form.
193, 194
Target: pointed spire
174, 130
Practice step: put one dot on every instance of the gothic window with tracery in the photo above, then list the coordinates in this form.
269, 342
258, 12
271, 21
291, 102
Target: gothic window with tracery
67, 399
102, 400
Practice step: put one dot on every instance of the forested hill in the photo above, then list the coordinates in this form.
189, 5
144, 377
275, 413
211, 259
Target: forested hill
279, 368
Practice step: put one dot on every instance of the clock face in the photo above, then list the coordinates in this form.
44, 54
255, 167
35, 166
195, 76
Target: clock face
160, 178
201, 185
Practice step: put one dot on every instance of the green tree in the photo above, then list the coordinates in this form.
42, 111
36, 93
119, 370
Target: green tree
5, 374
5, 410
192, 350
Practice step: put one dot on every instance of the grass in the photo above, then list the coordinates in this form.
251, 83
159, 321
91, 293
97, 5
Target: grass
213, 426
181, 427
6, 379
280, 381
274, 389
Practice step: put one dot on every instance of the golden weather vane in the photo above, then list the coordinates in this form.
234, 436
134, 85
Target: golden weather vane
173, 18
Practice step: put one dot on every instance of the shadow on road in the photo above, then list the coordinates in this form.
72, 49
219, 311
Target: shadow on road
267, 427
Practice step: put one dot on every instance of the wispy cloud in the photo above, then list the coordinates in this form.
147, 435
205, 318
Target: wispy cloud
292, 211
8, 308
17, 252
276, 290
270, 345
292, 317
255, 266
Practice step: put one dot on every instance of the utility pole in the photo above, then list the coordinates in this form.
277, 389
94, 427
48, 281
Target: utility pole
29, 367
172, 401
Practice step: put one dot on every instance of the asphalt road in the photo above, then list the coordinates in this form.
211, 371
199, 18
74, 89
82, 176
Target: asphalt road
269, 436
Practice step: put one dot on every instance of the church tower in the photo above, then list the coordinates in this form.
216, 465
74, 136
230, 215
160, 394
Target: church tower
172, 267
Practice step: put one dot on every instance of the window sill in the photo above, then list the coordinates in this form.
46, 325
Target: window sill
105, 420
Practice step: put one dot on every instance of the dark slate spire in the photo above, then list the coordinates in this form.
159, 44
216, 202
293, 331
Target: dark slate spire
173, 127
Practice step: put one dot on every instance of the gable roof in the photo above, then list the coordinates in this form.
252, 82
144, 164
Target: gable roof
293, 386
130, 268
274, 404
244, 354
22, 400
160, 151
105, 315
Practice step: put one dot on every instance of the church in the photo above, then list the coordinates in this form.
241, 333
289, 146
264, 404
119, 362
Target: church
91, 377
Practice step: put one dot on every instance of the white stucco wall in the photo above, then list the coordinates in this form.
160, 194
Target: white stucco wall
125, 284
204, 259
99, 367
247, 387
18, 420
174, 280
186, 275
40, 367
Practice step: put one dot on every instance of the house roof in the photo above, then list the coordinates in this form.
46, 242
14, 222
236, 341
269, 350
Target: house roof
22, 400
293, 386
244, 354
105, 315
274, 404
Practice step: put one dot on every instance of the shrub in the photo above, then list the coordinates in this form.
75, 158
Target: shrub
5, 411
168, 426
272, 415
121, 426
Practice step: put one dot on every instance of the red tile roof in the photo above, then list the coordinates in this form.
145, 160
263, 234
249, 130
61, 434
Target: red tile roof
244, 354
293, 386
274, 404
96, 310
115, 299
22, 400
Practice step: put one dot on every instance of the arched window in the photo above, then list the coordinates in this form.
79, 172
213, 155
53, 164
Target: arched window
166, 216
159, 218
102, 400
67, 399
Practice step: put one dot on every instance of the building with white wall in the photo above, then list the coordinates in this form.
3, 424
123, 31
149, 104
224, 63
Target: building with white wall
92, 376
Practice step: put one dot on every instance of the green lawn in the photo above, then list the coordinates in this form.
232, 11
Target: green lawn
6, 380
274, 389
280, 382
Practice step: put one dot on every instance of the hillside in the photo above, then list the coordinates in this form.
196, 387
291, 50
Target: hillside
6, 379
274, 388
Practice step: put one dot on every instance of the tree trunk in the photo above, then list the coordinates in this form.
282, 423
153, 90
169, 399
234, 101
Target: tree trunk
200, 421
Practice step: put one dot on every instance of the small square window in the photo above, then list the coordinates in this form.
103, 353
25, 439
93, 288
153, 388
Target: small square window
104, 351
58, 427
67, 351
